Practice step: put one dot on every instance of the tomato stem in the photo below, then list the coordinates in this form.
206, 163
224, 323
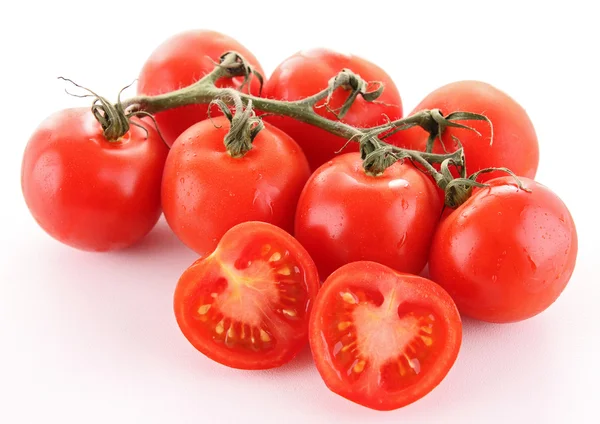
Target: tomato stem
245, 125
376, 153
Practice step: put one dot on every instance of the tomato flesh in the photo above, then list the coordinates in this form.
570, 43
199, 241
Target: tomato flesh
383, 339
246, 305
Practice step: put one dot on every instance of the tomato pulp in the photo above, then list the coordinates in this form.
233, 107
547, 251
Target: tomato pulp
381, 338
247, 304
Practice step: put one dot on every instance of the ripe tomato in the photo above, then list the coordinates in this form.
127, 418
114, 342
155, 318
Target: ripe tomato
515, 143
90, 193
345, 215
205, 191
505, 254
380, 338
247, 304
182, 60
309, 72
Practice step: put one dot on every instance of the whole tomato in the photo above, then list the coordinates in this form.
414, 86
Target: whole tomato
514, 144
505, 254
181, 61
88, 192
346, 215
308, 72
206, 191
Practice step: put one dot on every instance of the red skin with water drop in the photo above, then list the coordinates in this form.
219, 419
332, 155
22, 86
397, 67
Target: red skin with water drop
505, 255
205, 191
346, 215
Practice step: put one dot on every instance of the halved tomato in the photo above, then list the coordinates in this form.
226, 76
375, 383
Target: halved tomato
383, 339
247, 304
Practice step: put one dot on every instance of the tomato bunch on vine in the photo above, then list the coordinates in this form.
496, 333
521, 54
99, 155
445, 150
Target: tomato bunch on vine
314, 205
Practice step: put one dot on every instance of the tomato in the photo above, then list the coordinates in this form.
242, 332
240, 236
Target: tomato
515, 144
182, 60
308, 72
505, 254
88, 192
205, 191
247, 304
345, 215
380, 338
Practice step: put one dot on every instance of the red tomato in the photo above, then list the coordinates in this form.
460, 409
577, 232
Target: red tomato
380, 338
181, 61
515, 143
205, 191
505, 254
90, 193
247, 304
309, 72
345, 215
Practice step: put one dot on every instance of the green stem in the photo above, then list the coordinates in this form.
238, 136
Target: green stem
205, 91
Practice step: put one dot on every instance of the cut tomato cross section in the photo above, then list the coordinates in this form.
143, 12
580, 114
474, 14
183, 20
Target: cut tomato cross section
247, 304
383, 339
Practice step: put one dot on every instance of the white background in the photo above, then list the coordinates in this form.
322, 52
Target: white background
91, 338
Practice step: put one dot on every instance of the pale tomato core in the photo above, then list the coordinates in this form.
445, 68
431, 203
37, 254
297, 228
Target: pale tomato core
383, 339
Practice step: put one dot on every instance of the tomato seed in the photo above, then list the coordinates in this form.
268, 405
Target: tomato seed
348, 298
264, 336
343, 325
284, 270
202, 310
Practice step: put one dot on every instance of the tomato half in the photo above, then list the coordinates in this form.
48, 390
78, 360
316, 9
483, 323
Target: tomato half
515, 143
308, 72
205, 191
505, 254
181, 61
346, 215
383, 339
88, 192
247, 304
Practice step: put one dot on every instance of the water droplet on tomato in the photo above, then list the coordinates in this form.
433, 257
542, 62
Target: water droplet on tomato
182, 180
532, 263
402, 241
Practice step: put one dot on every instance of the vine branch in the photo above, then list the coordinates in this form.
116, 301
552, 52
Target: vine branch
376, 153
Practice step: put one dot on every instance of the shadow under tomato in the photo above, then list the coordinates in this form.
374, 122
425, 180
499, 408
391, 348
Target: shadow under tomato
159, 241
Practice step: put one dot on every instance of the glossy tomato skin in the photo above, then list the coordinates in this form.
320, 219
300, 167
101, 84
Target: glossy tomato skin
205, 191
90, 193
247, 304
182, 60
505, 255
380, 338
515, 143
308, 72
345, 215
